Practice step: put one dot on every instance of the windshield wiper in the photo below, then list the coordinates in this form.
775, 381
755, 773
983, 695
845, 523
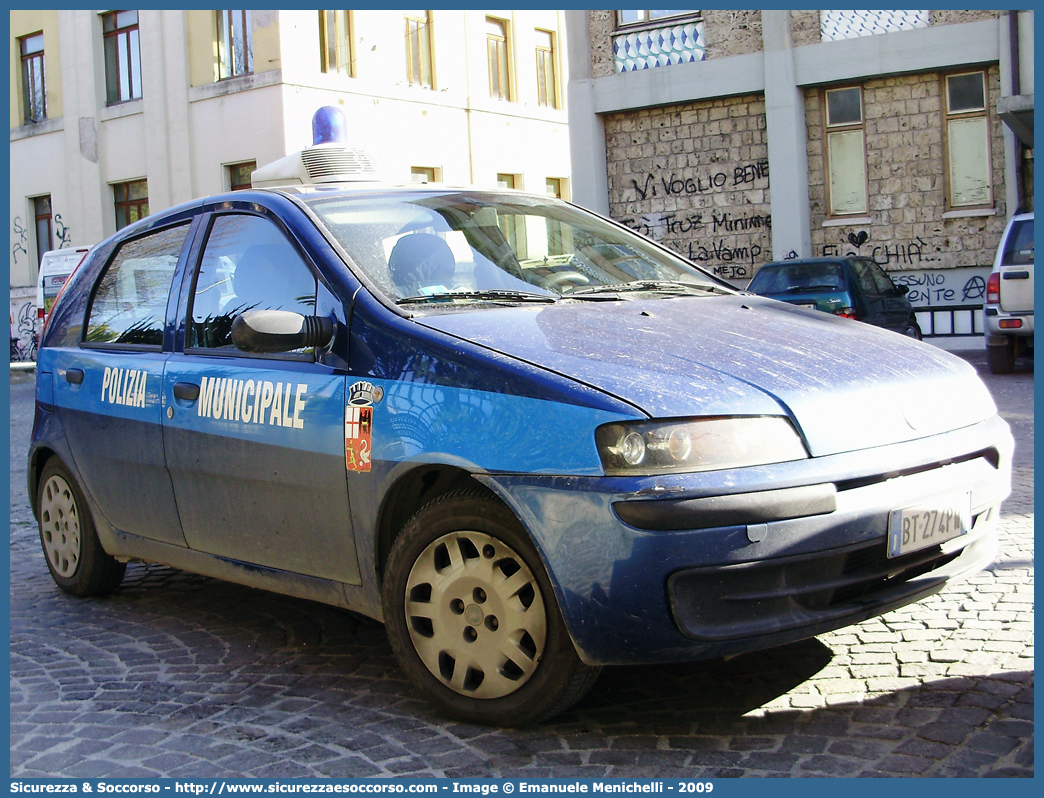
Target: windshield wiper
485, 295
653, 286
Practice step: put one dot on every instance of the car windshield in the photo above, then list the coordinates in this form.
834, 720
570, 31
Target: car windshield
798, 278
463, 247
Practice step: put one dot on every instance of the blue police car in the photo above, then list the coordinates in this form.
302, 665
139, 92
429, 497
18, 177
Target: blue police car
530, 441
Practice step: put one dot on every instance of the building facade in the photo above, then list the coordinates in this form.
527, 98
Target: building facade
117, 113
741, 137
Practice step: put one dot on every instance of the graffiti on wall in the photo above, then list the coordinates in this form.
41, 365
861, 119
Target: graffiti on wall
61, 232
730, 259
20, 237
726, 241
23, 329
670, 185
930, 288
900, 255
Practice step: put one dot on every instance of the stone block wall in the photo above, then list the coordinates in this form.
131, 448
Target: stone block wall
695, 178
601, 25
906, 184
804, 27
950, 17
732, 33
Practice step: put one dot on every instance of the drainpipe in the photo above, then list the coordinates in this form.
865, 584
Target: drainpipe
1016, 90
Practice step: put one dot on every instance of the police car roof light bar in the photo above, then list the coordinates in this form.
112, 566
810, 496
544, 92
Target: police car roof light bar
329, 126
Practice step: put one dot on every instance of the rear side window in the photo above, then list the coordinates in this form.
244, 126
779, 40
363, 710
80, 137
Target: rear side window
885, 286
130, 303
248, 264
1018, 248
865, 276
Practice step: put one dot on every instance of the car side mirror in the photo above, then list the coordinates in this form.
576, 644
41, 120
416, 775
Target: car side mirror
269, 331
902, 290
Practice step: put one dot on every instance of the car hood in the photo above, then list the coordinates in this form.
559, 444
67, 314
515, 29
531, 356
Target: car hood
845, 384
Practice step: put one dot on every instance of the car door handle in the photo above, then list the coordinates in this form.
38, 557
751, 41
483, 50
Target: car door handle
1019, 275
75, 376
187, 391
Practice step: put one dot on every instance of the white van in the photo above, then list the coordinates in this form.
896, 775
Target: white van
55, 268
1008, 310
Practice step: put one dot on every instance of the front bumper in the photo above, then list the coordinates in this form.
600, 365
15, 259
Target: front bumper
688, 576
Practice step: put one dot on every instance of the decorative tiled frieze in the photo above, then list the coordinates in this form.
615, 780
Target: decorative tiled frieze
837, 25
675, 44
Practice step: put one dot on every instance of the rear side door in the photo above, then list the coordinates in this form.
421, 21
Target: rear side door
895, 307
1016, 268
109, 389
879, 308
255, 443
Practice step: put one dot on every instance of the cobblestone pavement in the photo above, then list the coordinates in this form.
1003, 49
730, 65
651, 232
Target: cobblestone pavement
179, 675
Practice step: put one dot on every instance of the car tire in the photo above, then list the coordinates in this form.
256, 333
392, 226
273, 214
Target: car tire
75, 557
472, 617
913, 330
1002, 358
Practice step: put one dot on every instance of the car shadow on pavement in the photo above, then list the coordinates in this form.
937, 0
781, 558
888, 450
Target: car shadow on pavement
195, 661
250, 636
711, 693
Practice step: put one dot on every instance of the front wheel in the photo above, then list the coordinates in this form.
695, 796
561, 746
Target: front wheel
472, 617
75, 558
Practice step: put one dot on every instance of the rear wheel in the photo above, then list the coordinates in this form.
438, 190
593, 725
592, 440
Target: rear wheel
472, 617
75, 558
1002, 358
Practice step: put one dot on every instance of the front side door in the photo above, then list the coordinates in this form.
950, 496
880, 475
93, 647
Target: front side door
109, 390
255, 443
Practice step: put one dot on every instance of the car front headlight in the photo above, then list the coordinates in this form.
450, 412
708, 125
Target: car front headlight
645, 448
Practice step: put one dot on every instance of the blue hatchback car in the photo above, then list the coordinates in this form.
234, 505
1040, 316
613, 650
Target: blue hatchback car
852, 287
529, 441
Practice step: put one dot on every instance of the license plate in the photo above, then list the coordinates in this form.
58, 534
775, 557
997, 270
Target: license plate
915, 528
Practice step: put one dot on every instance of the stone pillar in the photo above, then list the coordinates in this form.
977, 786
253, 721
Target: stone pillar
787, 140
588, 178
